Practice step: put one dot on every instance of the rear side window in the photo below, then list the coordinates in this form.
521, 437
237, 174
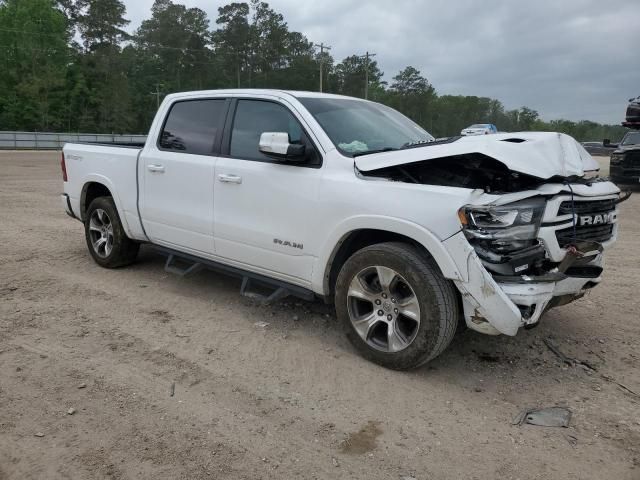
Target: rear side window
192, 126
254, 117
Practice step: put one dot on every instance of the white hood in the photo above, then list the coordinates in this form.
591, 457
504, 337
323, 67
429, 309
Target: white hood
540, 154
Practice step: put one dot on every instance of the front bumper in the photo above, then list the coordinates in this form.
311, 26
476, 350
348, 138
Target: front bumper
625, 175
502, 305
624, 167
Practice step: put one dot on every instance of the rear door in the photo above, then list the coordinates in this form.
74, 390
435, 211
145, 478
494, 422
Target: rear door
176, 203
264, 208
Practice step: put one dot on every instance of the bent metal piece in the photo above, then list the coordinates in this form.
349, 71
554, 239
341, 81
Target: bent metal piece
581, 249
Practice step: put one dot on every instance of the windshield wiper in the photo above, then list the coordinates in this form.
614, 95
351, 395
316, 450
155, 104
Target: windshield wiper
379, 150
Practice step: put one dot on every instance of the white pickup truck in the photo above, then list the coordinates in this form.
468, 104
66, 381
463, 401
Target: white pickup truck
340, 198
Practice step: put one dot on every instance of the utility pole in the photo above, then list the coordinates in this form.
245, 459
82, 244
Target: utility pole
157, 93
366, 56
322, 47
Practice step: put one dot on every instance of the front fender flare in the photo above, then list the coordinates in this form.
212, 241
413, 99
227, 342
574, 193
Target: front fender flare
400, 226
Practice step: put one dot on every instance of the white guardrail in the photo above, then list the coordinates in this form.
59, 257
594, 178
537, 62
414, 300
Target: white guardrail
55, 141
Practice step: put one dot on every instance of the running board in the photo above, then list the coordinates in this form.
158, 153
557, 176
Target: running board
184, 264
172, 262
278, 293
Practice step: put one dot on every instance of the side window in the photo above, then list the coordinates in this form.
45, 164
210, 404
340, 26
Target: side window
192, 125
254, 117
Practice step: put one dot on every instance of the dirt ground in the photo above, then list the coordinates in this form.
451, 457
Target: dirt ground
171, 377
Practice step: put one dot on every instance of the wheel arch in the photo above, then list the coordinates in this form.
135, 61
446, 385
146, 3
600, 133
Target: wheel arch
97, 186
90, 191
364, 233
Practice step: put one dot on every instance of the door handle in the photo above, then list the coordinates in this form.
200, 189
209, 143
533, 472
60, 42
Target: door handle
227, 178
155, 168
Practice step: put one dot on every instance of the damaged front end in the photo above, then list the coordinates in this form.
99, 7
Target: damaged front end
505, 237
528, 255
533, 228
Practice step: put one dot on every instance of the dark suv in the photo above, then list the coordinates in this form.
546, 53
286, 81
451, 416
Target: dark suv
625, 160
633, 113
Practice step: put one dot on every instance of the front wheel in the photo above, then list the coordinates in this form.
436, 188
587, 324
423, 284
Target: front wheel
106, 239
395, 306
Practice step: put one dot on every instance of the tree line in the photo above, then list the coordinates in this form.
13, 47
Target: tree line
71, 65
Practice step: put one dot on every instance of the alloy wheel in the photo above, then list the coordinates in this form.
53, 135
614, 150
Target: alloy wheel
383, 309
101, 233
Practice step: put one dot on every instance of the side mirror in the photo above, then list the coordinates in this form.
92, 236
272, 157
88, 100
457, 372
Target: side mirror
276, 144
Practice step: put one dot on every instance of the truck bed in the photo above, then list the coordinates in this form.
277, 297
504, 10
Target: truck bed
118, 172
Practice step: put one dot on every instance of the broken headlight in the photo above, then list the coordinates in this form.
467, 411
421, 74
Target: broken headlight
503, 229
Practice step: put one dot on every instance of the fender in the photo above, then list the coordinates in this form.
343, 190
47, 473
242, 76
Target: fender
390, 224
97, 178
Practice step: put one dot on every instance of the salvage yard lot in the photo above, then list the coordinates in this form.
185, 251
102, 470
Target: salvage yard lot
180, 378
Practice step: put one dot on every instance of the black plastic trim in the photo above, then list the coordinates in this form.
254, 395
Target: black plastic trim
526, 279
70, 212
144, 231
132, 145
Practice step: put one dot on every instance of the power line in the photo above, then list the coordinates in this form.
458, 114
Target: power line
30, 49
40, 34
144, 45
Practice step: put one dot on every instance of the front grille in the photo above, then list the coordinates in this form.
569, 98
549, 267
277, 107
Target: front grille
631, 159
589, 207
594, 233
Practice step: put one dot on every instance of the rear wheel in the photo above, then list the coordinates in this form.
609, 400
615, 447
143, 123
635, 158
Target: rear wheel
395, 306
107, 242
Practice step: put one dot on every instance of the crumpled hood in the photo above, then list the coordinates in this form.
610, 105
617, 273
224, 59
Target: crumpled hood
540, 154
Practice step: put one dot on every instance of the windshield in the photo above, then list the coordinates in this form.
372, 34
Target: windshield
631, 138
356, 127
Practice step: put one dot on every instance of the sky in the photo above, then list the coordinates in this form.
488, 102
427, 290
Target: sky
572, 59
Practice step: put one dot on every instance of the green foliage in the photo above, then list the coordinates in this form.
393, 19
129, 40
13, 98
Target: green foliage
350, 75
173, 47
113, 81
413, 95
34, 43
256, 49
101, 23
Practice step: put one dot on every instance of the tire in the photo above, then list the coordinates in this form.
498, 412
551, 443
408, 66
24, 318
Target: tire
107, 242
420, 311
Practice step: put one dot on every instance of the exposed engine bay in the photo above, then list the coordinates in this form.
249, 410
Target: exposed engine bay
472, 170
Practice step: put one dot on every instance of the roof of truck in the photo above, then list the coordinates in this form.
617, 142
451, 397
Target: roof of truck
260, 91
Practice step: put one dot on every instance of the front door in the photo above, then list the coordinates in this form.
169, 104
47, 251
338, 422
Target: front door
177, 193
263, 207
